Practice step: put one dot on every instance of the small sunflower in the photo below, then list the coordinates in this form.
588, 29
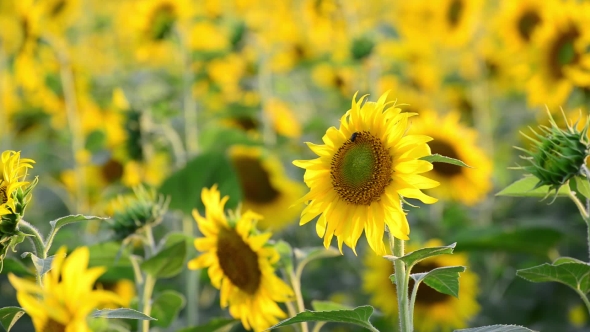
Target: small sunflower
561, 58
66, 298
239, 263
14, 171
458, 21
519, 20
363, 171
451, 139
265, 187
433, 311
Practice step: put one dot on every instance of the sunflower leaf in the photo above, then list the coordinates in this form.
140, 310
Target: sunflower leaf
42, 265
12, 265
525, 187
421, 254
565, 270
61, 222
9, 316
166, 263
357, 316
443, 279
437, 158
166, 307
497, 328
212, 326
581, 185
121, 313
286, 252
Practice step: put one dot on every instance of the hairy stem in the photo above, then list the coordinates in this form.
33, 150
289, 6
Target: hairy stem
401, 280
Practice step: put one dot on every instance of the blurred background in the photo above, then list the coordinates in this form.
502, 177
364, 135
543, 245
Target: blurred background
182, 94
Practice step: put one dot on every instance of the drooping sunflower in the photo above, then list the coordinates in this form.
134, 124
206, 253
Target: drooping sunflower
66, 298
363, 171
265, 187
239, 263
433, 311
14, 171
561, 59
451, 139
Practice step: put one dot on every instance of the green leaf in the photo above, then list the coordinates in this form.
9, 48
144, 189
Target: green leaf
511, 239
437, 158
568, 271
212, 326
41, 265
121, 313
286, 253
582, 186
442, 279
357, 316
497, 328
209, 168
114, 257
328, 306
61, 222
524, 188
12, 265
166, 263
421, 254
9, 316
166, 307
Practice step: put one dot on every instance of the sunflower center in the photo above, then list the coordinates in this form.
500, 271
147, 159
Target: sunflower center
361, 169
254, 180
454, 12
162, 22
426, 295
58, 8
238, 262
54, 326
3, 194
562, 52
112, 171
444, 149
527, 24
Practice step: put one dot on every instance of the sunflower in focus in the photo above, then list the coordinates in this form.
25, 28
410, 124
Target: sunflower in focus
433, 311
451, 139
66, 298
265, 187
14, 171
239, 263
561, 57
364, 169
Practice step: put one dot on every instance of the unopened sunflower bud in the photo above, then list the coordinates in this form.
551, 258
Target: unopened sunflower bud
558, 154
136, 211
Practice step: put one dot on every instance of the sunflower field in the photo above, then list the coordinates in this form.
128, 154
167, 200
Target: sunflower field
294, 165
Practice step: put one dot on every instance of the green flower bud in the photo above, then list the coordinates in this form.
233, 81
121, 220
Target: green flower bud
558, 154
362, 48
134, 212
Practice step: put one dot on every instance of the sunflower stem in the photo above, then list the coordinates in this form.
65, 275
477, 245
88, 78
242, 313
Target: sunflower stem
413, 301
191, 281
296, 283
34, 236
584, 213
401, 280
148, 288
191, 136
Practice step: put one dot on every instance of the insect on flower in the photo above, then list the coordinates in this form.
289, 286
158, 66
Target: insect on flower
353, 137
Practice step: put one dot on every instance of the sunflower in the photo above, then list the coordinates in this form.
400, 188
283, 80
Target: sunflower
67, 297
60, 14
561, 58
14, 171
457, 21
519, 20
265, 187
433, 311
239, 263
451, 139
364, 169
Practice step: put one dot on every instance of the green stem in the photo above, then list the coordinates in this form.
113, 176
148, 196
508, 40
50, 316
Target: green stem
585, 299
413, 301
584, 213
401, 280
296, 283
148, 289
34, 236
191, 281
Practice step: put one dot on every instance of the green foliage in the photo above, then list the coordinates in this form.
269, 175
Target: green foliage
166, 307
185, 185
568, 271
497, 328
328, 306
421, 254
212, 326
581, 185
12, 265
437, 158
527, 187
9, 316
42, 265
121, 313
166, 263
357, 316
443, 279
